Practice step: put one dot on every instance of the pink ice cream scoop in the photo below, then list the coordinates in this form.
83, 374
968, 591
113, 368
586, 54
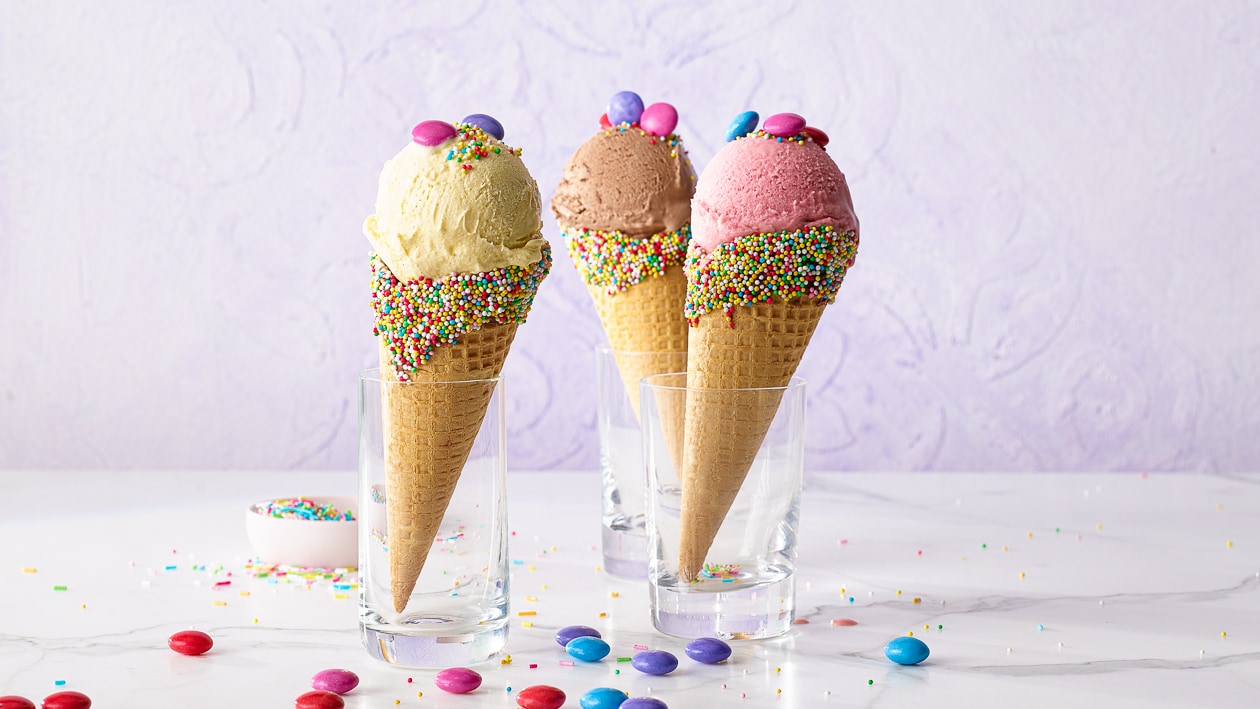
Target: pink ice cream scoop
754, 185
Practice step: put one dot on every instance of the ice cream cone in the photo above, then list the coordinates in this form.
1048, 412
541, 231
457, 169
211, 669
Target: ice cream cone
646, 327
429, 432
734, 380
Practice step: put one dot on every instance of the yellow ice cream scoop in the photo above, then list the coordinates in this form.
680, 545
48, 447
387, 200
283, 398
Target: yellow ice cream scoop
456, 200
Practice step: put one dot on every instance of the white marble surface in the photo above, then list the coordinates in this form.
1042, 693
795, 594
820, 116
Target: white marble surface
1134, 580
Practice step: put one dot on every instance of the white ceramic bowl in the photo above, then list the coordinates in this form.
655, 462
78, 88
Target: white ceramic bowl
305, 542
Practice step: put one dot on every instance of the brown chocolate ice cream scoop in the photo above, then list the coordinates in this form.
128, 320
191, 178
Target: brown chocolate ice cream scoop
627, 180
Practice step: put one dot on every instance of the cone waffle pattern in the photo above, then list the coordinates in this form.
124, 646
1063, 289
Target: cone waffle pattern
724, 429
645, 318
429, 432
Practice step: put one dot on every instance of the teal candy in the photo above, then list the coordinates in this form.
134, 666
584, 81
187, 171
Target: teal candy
906, 650
587, 649
602, 698
743, 124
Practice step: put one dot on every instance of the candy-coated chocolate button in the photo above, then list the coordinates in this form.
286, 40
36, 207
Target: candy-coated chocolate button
433, 133
602, 698
335, 681
13, 701
654, 662
457, 680
644, 703
540, 696
486, 123
816, 135
710, 651
906, 650
568, 632
67, 700
625, 107
659, 119
319, 700
190, 642
587, 649
783, 124
743, 124
604, 122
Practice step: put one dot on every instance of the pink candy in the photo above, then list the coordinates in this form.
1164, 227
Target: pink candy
457, 680
335, 681
659, 119
783, 124
433, 133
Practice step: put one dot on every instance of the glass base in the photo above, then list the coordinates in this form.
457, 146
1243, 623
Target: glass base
625, 554
745, 612
438, 642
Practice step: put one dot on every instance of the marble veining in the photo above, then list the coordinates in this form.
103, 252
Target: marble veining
1041, 590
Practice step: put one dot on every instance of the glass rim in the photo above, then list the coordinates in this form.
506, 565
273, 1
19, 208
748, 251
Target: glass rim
793, 384
373, 374
606, 348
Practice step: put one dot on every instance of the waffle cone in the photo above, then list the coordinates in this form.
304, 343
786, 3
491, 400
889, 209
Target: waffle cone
429, 432
645, 319
724, 429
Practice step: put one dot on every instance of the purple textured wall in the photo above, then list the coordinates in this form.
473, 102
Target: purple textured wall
1058, 207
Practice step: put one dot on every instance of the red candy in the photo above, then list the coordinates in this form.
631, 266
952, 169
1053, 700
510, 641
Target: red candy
67, 700
190, 642
319, 700
603, 121
540, 696
817, 135
16, 702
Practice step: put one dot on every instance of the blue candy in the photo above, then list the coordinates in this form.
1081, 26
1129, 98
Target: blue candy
654, 662
743, 124
710, 651
644, 703
567, 633
602, 698
486, 123
906, 650
587, 649
625, 107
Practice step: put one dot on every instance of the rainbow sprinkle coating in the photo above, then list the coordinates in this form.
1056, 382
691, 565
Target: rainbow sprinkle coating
302, 508
757, 268
419, 316
614, 261
799, 138
473, 144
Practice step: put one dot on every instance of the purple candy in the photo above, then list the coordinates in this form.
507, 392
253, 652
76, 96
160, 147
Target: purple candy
433, 132
643, 703
567, 633
710, 651
625, 107
486, 123
335, 681
659, 119
783, 124
457, 680
654, 662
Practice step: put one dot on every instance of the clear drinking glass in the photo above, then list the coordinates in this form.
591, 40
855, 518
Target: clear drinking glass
457, 612
621, 454
746, 587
